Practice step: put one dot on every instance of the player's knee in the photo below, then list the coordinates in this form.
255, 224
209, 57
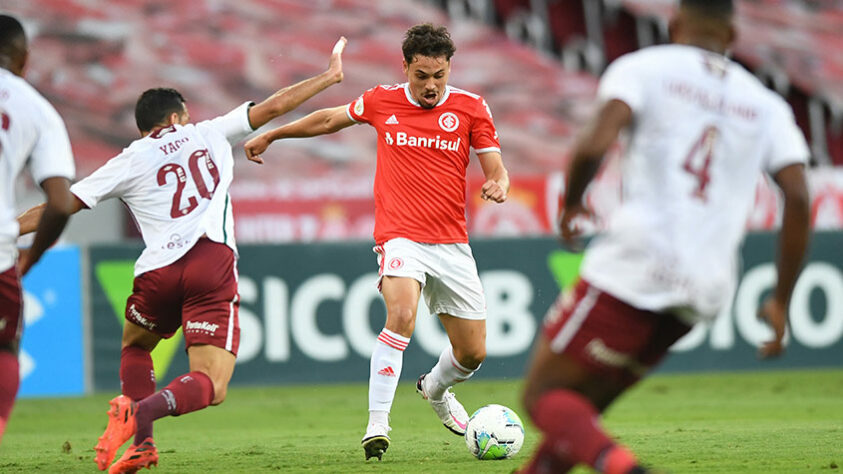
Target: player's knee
401, 319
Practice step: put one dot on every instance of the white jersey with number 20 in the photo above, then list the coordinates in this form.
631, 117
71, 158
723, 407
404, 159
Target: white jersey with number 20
703, 131
175, 182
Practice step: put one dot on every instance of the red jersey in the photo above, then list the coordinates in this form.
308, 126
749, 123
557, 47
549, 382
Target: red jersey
422, 158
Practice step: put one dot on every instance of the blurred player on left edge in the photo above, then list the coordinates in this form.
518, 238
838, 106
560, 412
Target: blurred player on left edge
30, 129
175, 181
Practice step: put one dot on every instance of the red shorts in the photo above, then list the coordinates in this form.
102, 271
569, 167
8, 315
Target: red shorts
11, 309
608, 336
197, 292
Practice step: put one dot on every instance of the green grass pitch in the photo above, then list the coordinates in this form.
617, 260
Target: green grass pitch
724, 423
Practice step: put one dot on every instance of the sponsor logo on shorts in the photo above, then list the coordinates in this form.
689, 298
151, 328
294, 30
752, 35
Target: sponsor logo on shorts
449, 121
396, 263
140, 319
599, 351
201, 326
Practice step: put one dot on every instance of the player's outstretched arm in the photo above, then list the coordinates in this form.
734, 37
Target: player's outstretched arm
793, 241
291, 97
496, 187
592, 145
320, 122
47, 220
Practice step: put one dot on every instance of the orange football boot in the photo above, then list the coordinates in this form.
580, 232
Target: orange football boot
121, 427
135, 458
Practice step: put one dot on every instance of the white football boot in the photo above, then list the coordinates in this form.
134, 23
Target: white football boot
376, 440
450, 411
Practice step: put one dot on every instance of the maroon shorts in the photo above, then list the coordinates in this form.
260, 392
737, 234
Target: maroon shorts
11, 309
608, 336
197, 292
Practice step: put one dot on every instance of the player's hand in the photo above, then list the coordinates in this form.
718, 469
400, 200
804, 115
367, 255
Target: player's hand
255, 147
569, 226
493, 191
774, 313
335, 64
24, 261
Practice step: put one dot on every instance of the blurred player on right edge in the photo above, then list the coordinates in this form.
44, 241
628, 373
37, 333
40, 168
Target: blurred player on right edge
700, 131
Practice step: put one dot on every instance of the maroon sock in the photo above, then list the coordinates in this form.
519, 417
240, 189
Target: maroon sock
571, 426
137, 378
190, 392
546, 461
9, 381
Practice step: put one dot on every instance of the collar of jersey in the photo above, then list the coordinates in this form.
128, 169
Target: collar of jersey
415, 102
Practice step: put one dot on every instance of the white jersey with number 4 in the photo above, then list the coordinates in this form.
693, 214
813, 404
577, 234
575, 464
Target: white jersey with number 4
703, 131
175, 182
30, 129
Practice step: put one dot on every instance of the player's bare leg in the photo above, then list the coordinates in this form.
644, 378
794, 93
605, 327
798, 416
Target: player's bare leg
564, 400
401, 296
457, 363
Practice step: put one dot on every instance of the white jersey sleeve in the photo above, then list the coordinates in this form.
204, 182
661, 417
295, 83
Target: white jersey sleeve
235, 125
787, 144
51, 156
624, 80
113, 179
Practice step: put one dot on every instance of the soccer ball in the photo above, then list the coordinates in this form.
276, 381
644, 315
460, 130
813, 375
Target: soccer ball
494, 432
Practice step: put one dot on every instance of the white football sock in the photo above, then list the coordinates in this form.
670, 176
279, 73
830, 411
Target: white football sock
447, 372
384, 372
378, 417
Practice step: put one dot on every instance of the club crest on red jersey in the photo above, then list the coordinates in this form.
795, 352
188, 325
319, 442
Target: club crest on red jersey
449, 121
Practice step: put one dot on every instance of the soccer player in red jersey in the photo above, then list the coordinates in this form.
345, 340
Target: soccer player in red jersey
425, 129
33, 134
702, 131
175, 181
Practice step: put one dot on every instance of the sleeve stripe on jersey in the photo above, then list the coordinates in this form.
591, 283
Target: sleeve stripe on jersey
487, 150
224, 218
348, 113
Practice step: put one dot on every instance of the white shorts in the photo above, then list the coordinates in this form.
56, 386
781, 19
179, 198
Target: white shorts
447, 274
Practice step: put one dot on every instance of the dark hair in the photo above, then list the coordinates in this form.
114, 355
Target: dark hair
427, 40
154, 105
712, 8
11, 34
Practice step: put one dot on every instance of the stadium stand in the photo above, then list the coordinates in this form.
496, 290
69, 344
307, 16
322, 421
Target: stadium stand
95, 57
791, 44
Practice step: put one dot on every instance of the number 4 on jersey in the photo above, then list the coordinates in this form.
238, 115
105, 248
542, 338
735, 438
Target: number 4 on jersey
699, 159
